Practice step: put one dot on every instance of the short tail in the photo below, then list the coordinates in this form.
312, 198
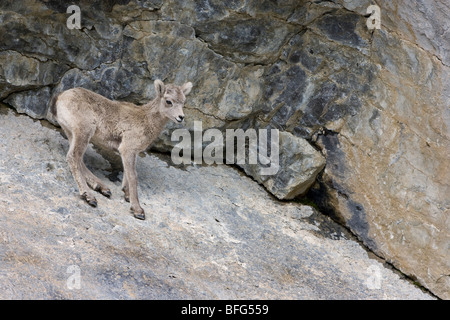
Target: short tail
52, 106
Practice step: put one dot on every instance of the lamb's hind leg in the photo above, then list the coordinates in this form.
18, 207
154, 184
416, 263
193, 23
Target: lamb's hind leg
129, 165
125, 187
94, 182
77, 149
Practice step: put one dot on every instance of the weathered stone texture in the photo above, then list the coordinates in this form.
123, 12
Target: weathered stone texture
375, 104
210, 233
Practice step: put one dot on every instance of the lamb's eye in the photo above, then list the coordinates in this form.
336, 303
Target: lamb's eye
169, 102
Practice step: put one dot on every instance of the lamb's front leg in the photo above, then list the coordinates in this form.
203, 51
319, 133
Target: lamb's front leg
129, 165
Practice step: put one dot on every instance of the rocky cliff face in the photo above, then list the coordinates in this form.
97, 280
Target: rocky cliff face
373, 103
210, 233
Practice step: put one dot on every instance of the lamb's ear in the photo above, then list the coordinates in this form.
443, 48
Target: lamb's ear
159, 87
187, 87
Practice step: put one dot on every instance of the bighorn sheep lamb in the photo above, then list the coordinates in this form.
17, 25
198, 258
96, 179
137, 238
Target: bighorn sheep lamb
123, 126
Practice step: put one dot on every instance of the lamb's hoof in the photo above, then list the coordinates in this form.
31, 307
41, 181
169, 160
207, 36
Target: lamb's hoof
139, 214
89, 199
107, 193
104, 191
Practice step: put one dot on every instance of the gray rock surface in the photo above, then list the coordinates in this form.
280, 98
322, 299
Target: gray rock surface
211, 233
373, 103
298, 166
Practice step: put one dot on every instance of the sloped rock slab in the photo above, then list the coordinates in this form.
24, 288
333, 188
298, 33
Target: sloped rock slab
210, 233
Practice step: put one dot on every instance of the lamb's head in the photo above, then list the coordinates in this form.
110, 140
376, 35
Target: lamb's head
172, 99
